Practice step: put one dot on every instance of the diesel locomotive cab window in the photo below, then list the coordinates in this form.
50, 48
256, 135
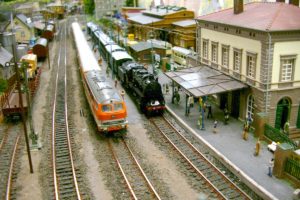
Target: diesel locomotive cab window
106, 108
118, 106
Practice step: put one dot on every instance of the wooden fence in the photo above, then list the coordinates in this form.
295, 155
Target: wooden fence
292, 167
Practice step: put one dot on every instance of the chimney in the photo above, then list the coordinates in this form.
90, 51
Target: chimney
238, 6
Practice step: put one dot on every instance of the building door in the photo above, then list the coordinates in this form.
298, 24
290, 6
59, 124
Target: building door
223, 100
282, 112
235, 104
298, 118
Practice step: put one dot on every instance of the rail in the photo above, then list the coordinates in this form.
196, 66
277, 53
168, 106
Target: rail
62, 157
8, 155
223, 187
132, 172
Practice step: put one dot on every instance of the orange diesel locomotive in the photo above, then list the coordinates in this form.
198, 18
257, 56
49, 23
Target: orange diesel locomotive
107, 105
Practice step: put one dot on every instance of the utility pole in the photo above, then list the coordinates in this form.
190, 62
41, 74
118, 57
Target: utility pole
21, 102
111, 35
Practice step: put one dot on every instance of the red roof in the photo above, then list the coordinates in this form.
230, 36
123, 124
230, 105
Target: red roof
259, 16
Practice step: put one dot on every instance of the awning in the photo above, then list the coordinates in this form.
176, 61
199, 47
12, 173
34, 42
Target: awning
203, 81
144, 19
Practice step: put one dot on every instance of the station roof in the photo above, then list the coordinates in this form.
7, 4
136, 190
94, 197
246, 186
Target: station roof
143, 19
141, 46
185, 23
203, 81
5, 56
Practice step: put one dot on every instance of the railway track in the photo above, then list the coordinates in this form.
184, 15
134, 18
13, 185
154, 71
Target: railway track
65, 177
211, 178
135, 178
8, 152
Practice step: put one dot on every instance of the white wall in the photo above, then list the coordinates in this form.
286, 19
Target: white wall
247, 45
285, 49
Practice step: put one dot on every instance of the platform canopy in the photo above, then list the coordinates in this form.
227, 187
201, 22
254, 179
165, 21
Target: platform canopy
203, 81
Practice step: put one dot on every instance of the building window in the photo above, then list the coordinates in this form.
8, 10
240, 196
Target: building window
205, 49
250, 106
287, 68
214, 52
225, 55
251, 65
237, 59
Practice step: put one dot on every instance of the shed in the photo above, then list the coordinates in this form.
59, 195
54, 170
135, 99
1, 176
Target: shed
142, 52
5, 56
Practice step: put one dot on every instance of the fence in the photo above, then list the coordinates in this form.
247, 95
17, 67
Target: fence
292, 167
277, 136
11, 85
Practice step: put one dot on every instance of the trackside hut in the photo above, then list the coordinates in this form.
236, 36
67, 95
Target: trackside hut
184, 33
160, 17
141, 52
260, 50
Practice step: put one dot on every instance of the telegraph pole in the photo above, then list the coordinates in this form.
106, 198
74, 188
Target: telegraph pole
21, 102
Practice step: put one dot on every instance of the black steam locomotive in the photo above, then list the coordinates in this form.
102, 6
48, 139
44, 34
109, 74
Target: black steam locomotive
144, 86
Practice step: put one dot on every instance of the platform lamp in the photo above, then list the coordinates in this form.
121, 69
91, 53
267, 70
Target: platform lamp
151, 37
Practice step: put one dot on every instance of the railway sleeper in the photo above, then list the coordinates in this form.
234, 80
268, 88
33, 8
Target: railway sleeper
66, 182
63, 178
63, 166
232, 194
63, 158
66, 172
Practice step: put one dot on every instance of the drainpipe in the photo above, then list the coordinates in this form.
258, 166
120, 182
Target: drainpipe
268, 72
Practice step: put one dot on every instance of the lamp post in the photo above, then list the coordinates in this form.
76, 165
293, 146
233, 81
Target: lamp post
151, 36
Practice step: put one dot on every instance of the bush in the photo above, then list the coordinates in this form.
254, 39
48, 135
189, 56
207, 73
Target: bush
3, 85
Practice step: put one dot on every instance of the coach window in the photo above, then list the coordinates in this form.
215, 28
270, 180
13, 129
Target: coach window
118, 106
106, 108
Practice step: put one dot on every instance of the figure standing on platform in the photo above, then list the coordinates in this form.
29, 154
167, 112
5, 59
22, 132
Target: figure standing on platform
257, 148
99, 61
191, 101
249, 119
226, 116
200, 121
167, 88
286, 128
200, 104
215, 126
107, 71
116, 82
123, 94
209, 111
271, 165
246, 131
176, 96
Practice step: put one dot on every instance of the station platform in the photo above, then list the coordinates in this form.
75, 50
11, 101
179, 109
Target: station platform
229, 145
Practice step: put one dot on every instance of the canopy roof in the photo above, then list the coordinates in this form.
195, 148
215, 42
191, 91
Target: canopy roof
203, 81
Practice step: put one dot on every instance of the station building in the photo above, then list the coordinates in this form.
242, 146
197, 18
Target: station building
257, 44
160, 22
